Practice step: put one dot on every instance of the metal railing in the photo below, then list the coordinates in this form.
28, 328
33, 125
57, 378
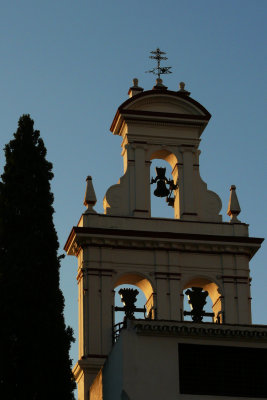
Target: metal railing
117, 330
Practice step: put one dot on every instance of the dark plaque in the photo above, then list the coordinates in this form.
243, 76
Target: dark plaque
223, 370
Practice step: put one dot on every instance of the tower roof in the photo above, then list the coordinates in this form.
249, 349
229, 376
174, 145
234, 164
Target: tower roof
162, 105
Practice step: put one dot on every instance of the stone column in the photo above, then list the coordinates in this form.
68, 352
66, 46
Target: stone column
163, 296
177, 175
175, 297
230, 304
187, 185
141, 182
244, 306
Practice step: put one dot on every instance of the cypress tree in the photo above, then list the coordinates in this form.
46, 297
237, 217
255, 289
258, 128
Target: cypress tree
34, 340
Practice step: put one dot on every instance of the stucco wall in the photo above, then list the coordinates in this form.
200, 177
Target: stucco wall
146, 367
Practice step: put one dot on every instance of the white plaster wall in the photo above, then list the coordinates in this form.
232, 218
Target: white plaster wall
147, 367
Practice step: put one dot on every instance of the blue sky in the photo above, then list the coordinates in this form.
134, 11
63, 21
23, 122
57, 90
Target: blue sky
70, 63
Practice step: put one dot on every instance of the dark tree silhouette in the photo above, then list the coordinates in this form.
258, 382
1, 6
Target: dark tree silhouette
34, 341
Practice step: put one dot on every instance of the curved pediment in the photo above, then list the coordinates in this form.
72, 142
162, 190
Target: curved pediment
164, 103
160, 104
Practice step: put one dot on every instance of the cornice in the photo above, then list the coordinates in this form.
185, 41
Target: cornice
155, 93
82, 237
201, 330
124, 110
90, 363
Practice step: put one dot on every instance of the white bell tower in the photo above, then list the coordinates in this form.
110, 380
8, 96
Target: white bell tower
195, 250
161, 124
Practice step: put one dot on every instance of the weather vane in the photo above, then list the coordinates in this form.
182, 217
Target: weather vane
158, 70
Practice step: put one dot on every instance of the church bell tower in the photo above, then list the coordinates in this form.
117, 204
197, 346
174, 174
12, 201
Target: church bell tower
169, 352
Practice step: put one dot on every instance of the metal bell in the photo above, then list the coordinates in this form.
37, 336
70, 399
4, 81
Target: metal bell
161, 180
161, 189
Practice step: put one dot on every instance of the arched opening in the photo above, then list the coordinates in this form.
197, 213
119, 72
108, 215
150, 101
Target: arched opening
163, 207
139, 303
132, 278
208, 298
133, 299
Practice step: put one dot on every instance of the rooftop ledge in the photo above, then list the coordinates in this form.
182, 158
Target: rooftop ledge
162, 225
190, 329
165, 234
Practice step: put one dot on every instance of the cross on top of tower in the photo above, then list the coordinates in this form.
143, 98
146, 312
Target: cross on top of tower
158, 70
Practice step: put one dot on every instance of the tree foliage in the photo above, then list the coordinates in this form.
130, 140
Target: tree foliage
34, 341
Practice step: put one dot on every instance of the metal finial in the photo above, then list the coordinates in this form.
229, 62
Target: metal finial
158, 70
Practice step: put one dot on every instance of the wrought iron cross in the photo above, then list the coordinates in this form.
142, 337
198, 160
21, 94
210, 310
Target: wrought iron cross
158, 70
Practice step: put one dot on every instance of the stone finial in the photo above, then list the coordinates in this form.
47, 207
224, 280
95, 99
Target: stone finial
90, 197
182, 89
135, 82
233, 206
135, 89
159, 84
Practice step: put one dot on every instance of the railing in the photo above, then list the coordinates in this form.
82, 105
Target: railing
199, 317
117, 330
119, 326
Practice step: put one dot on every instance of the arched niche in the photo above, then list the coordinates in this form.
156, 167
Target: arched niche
214, 292
160, 157
136, 279
159, 208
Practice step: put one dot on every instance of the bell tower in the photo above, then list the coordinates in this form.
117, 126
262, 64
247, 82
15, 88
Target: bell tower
196, 253
161, 124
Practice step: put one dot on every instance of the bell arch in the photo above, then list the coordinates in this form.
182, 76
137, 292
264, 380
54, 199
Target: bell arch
137, 279
164, 153
143, 283
214, 291
171, 156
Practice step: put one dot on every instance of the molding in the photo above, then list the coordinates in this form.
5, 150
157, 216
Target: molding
124, 118
90, 364
160, 114
172, 276
234, 277
87, 271
201, 330
99, 270
180, 221
82, 237
168, 235
89, 356
152, 93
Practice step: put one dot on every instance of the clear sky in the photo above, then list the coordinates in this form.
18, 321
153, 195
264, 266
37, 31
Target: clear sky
69, 64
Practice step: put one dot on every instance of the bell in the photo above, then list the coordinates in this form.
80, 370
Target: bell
161, 190
161, 172
197, 300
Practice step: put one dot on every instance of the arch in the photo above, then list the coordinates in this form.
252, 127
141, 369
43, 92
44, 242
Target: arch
206, 284
141, 281
176, 97
169, 155
214, 291
163, 154
134, 278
